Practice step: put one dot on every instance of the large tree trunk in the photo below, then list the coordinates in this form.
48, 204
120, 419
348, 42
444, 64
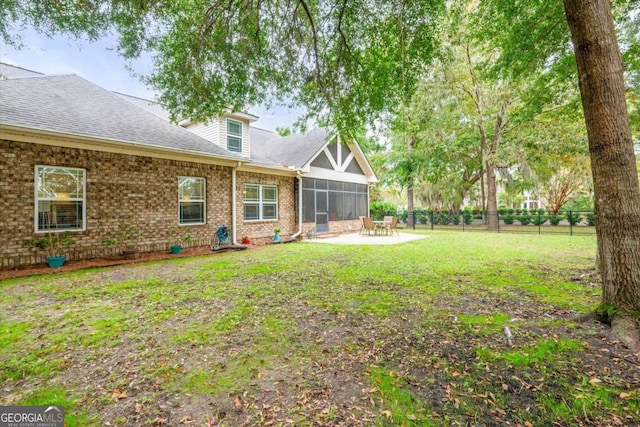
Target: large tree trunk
492, 198
411, 223
613, 163
411, 218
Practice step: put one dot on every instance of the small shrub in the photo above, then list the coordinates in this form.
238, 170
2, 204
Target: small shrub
435, 218
524, 219
574, 218
591, 219
508, 219
539, 219
379, 210
126, 237
422, 217
53, 244
444, 218
455, 219
555, 219
467, 216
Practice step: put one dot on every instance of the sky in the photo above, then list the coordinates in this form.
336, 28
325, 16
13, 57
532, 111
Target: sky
99, 63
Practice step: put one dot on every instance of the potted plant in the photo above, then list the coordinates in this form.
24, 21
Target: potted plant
127, 238
176, 248
276, 234
53, 246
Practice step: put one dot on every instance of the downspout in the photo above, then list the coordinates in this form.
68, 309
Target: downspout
234, 223
299, 176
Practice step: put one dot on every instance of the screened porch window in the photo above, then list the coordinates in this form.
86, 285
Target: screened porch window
60, 200
347, 201
260, 202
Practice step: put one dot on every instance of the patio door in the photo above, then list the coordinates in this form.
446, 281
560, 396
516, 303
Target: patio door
322, 211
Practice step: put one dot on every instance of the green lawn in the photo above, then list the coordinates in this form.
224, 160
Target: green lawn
316, 334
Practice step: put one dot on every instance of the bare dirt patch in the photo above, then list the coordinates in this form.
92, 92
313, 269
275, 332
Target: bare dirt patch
8, 273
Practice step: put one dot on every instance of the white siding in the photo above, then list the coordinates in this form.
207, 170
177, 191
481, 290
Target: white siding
216, 132
209, 131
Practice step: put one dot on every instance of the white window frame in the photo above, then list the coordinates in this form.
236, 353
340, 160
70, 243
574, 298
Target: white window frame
234, 136
203, 201
58, 198
260, 203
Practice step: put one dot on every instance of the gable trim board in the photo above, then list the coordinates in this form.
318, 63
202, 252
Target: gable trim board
132, 167
343, 163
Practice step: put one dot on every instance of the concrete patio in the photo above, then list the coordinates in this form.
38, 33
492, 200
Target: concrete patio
358, 239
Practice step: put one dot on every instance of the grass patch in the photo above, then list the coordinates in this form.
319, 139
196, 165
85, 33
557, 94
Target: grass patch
401, 407
484, 324
545, 351
313, 334
11, 333
57, 396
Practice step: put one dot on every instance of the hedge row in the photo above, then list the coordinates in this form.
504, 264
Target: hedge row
426, 216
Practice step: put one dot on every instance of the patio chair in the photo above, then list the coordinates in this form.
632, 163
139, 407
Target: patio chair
386, 222
368, 226
361, 225
393, 226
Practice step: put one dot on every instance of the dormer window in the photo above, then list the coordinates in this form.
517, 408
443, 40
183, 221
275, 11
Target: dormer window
234, 135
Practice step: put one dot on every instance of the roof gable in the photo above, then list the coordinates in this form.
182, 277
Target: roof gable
296, 151
318, 148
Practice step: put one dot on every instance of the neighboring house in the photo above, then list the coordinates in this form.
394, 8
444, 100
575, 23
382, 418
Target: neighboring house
530, 201
74, 156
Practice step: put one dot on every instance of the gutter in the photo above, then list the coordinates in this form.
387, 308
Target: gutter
234, 221
110, 145
299, 176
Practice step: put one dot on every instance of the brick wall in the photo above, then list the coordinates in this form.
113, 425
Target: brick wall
335, 227
263, 230
121, 190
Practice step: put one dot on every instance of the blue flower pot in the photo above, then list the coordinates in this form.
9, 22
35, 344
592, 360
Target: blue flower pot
56, 261
276, 238
175, 249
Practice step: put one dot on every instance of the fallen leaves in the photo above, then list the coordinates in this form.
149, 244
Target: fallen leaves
159, 421
119, 394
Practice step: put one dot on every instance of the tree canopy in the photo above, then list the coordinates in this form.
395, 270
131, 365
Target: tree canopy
345, 61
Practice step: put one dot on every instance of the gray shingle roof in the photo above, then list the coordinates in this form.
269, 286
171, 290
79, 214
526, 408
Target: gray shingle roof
297, 150
71, 105
8, 71
146, 104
